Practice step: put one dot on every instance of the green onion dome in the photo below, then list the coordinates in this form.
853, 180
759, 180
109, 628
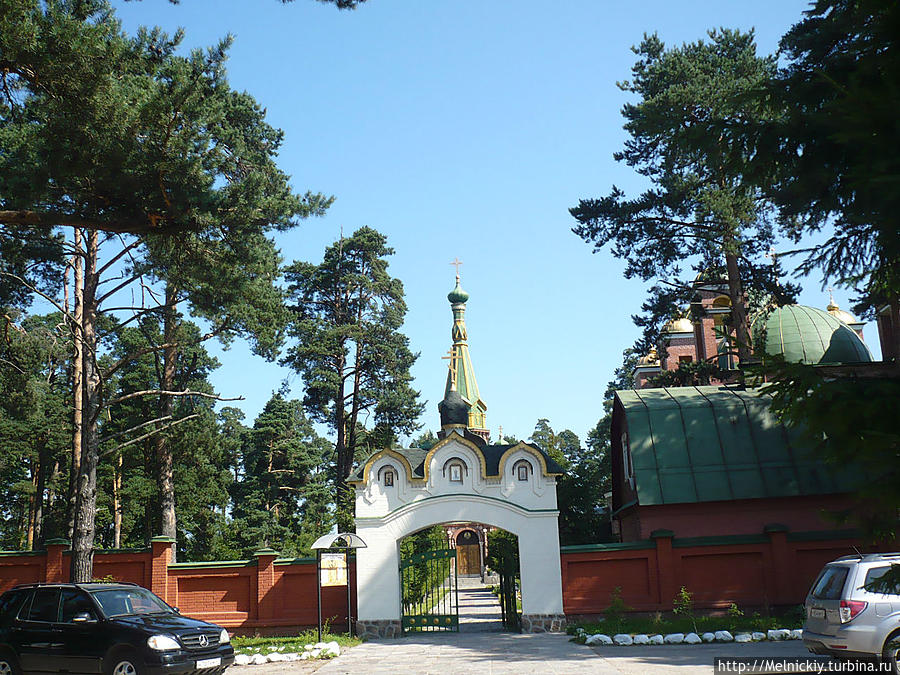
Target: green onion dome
808, 335
457, 294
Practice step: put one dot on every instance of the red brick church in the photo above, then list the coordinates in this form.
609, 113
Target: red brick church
705, 461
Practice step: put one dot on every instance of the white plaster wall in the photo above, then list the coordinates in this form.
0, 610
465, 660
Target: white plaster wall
378, 586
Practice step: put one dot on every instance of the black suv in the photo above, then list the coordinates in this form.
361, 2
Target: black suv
115, 629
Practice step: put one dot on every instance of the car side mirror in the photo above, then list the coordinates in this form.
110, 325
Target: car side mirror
83, 617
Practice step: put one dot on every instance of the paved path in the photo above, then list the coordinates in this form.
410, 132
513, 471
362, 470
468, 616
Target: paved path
514, 654
479, 609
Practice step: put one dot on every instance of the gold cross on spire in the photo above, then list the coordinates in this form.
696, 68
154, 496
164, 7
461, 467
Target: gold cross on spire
456, 263
452, 356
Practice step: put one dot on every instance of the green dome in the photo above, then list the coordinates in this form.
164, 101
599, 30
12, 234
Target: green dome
809, 335
457, 294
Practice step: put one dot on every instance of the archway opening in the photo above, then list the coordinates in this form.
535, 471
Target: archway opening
460, 576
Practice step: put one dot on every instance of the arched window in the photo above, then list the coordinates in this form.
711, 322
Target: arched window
387, 475
455, 469
627, 464
522, 470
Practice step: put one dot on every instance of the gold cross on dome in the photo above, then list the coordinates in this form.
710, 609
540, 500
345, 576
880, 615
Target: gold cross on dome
452, 356
456, 263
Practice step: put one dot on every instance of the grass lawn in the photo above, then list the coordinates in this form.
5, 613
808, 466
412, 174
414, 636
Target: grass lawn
295, 643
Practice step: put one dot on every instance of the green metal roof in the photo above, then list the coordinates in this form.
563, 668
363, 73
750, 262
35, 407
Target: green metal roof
809, 335
700, 444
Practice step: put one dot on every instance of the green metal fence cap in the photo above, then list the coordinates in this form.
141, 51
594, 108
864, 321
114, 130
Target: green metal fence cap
162, 540
57, 542
659, 534
775, 527
265, 551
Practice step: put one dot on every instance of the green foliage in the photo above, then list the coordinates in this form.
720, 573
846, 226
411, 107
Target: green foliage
282, 495
502, 551
420, 581
294, 643
617, 608
662, 624
683, 605
701, 207
581, 489
694, 373
346, 317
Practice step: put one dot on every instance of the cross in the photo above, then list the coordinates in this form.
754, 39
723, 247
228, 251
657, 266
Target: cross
457, 262
831, 294
500, 433
451, 355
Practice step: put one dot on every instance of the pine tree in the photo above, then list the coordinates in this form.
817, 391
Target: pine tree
347, 313
702, 207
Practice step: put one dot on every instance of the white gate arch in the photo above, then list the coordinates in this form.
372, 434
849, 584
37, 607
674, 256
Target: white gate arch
460, 479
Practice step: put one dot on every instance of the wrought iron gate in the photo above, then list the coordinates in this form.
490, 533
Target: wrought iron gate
429, 591
509, 593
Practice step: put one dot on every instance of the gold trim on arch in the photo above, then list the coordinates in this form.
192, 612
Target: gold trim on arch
522, 445
386, 453
459, 438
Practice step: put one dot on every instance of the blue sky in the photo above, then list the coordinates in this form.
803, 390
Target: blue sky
465, 128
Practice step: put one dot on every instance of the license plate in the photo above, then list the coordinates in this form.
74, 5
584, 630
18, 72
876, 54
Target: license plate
209, 663
815, 613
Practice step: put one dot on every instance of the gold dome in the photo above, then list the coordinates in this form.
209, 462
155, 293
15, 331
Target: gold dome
679, 326
839, 314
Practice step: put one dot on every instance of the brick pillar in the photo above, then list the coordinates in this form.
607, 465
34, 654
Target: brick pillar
160, 557
265, 582
56, 571
665, 565
779, 573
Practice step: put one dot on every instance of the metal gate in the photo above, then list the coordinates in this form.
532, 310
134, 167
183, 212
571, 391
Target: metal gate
429, 591
509, 593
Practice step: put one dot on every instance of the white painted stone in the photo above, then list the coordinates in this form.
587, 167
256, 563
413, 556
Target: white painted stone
674, 638
743, 637
305, 656
320, 645
258, 660
314, 654
797, 634
291, 656
692, 639
656, 639
623, 639
708, 637
758, 637
274, 657
778, 634
642, 639
241, 659
598, 639
307, 647
724, 636
331, 649
386, 515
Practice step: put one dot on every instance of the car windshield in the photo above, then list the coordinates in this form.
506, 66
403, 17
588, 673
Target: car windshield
126, 601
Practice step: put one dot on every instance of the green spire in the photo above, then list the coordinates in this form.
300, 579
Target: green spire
461, 377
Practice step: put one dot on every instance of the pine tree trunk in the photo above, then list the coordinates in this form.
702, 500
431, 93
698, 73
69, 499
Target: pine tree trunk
32, 499
117, 503
77, 382
166, 408
40, 488
341, 450
894, 309
83, 530
738, 308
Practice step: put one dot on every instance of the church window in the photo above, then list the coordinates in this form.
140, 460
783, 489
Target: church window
522, 470
684, 359
455, 469
389, 478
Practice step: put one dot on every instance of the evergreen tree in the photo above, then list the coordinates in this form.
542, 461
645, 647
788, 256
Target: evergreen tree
347, 314
116, 134
282, 495
701, 207
34, 430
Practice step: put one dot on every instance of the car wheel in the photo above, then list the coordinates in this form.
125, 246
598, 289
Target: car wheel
123, 663
8, 664
890, 653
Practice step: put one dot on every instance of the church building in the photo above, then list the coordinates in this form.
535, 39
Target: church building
713, 460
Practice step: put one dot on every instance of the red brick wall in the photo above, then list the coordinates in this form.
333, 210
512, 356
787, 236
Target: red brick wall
775, 569
265, 595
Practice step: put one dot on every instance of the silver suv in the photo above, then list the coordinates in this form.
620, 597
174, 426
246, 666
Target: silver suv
845, 620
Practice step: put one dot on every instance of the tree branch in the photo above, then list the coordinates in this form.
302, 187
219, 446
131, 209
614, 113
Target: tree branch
150, 433
161, 392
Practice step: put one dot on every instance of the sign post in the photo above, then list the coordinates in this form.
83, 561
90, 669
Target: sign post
335, 571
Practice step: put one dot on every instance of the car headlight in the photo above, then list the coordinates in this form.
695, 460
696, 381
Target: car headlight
224, 637
162, 643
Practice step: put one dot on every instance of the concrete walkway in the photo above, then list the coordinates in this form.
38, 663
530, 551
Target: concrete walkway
534, 654
479, 609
